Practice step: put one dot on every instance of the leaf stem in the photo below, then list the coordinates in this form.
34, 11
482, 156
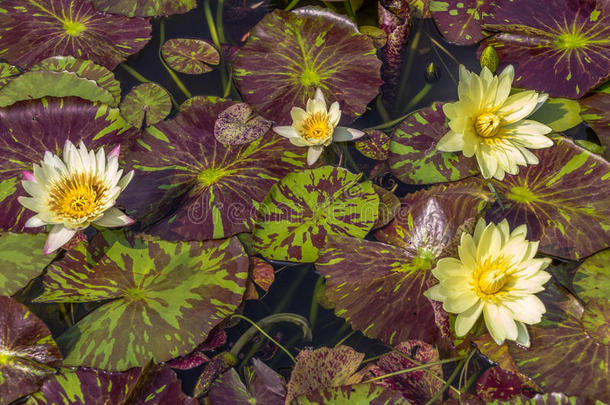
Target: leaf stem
219, 25
447, 384
173, 75
350, 10
408, 370
407, 69
142, 79
417, 98
214, 34
292, 5
498, 199
313, 308
349, 335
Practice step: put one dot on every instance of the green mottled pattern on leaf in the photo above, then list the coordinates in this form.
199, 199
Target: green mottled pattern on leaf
239, 124
166, 297
191, 56
592, 279
596, 113
459, 21
553, 398
7, 71
146, 103
375, 145
145, 8
369, 394
305, 207
21, 260
559, 114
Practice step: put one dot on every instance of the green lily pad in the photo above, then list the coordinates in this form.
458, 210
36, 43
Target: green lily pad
378, 287
562, 48
145, 8
306, 207
165, 297
190, 56
290, 54
146, 103
22, 260
375, 145
7, 71
596, 113
240, 124
28, 353
558, 113
36, 29
413, 155
369, 394
591, 279
564, 200
459, 21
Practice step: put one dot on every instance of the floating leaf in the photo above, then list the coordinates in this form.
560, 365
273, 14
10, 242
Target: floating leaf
261, 274
596, 113
190, 56
146, 103
240, 124
22, 260
28, 353
290, 54
378, 288
591, 279
53, 121
413, 155
217, 188
562, 48
7, 72
36, 29
498, 384
369, 394
389, 205
216, 338
165, 297
553, 398
145, 8
459, 21
376, 145
558, 113
564, 201
304, 208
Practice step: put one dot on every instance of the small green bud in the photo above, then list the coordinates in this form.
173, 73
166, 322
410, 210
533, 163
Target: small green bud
489, 58
432, 72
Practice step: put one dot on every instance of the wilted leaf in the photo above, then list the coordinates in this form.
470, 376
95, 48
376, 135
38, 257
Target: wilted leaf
239, 124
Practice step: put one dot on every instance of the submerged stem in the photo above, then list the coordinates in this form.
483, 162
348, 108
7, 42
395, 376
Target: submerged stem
142, 79
292, 5
498, 199
417, 98
216, 39
173, 75
349, 10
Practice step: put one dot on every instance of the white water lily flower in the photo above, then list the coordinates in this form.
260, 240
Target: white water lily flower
496, 275
316, 127
490, 123
74, 192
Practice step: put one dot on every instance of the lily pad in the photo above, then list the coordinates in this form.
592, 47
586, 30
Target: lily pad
145, 8
376, 145
596, 113
459, 21
553, 398
564, 201
22, 260
290, 54
28, 352
54, 121
37, 29
559, 114
378, 288
165, 297
190, 56
209, 190
304, 208
498, 384
146, 103
369, 394
413, 155
7, 71
591, 279
562, 48
261, 274
389, 205
240, 124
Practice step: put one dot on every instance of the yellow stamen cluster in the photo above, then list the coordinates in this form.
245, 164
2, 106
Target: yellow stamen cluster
317, 126
487, 124
77, 197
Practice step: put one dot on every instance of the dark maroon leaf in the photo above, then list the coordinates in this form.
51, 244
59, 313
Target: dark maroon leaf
596, 112
216, 338
498, 384
459, 21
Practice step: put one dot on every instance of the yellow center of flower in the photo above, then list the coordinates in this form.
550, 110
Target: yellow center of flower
492, 281
317, 127
491, 276
487, 124
77, 197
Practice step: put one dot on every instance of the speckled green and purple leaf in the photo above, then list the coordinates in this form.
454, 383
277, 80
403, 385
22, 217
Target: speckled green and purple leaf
459, 21
369, 394
306, 207
498, 384
562, 47
22, 259
378, 287
145, 8
564, 200
165, 297
190, 56
596, 113
559, 114
375, 145
7, 71
413, 155
592, 280
158, 386
28, 353
240, 124
34, 30
216, 188
389, 205
290, 54
553, 398
147, 103
53, 120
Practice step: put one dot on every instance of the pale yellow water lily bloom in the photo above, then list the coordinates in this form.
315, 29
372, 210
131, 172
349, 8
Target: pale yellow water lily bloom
74, 192
316, 127
490, 123
496, 275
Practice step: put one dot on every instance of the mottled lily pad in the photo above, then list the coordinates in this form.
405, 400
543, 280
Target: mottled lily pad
558, 113
596, 113
389, 205
145, 8
564, 201
28, 353
290, 54
376, 145
562, 48
498, 384
304, 208
413, 155
190, 56
209, 190
53, 121
553, 398
369, 394
36, 29
591, 279
377, 287
240, 124
7, 71
261, 274
165, 297
22, 259
459, 21
147, 103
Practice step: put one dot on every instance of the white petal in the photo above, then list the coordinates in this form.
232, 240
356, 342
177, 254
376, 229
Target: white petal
28, 176
313, 154
116, 151
448, 267
487, 162
478, 230
319, 95
344, 134
435, 293
467, 251
286, 132
505, 80
334, 114
490, 242
34, 222
527, 309
298, 116
59, 236
499, 322
125, 180
460, 303
523, 337
112, 218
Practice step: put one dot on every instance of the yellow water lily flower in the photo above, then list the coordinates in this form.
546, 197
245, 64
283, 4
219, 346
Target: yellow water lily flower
496, 275
72, 193
316, 127
490, 123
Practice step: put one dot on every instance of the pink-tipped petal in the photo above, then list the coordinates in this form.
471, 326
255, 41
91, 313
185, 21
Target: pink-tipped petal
59, 236
114, 217
28, 176
34, 222
115, 152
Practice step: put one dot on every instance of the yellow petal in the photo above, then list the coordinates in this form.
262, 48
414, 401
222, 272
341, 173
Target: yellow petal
490, 242
527, 309
467, 251
460, 303
467, 319
450, 142
435, 293
523, 338
518, 106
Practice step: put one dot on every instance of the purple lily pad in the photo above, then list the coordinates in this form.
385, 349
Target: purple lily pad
370, 394
240, 124
290, 54
596, 113
559, 46
146, 103
190, 56
145, 8
37, 29
376, 145
591, 279
459, 21
498, 384
216, 338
